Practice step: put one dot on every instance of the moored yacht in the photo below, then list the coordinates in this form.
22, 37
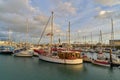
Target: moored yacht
23, 53
6, 50
58, 55
63, 57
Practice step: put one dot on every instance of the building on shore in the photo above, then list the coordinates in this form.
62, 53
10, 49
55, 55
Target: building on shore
114, 42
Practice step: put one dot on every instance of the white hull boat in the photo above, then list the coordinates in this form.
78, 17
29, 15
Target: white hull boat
26, 53
63, 57
57, 59
101, 62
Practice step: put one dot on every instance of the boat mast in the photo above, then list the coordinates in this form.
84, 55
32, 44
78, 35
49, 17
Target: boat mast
69, 35
27, 31
101, 38
112, 35
91, 41
51, 35
9, 37
111, 62
112, 43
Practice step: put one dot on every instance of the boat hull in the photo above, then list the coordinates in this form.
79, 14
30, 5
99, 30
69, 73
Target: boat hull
61, 61
6, 52
23, 54
35, 54
101, 63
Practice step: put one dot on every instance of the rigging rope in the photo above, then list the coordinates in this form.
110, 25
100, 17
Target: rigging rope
44, 30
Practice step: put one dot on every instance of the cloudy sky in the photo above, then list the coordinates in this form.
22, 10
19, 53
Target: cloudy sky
86, 17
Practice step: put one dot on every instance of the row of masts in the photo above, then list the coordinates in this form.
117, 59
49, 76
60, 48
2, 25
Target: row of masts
112, 36
68, 35
68, 39
51, 38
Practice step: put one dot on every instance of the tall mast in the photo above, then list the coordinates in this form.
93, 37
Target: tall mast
85, 42
112, 34
91, 41
69, 34
9, 37
66, 37
51, 38
100, 38
27, 31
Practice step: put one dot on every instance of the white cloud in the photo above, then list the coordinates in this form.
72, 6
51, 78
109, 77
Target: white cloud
65, 9
16, 6
102, 12
108, 14
13, 15
108, 2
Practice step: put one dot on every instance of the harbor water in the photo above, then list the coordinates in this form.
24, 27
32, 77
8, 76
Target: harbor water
15, 68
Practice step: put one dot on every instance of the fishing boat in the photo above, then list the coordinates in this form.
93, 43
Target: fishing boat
101, 60
60, 56
113, 60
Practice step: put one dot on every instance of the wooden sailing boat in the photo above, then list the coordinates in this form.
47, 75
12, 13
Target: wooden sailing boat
63, 57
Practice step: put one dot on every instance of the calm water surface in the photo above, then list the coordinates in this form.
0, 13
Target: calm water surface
14, 68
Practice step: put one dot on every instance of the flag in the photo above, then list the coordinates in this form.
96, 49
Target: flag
49, 34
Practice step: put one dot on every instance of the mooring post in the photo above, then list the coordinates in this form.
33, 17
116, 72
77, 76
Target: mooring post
111, 63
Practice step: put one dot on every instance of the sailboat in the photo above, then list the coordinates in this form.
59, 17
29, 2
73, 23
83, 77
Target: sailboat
62, 56
101, 60
24, 52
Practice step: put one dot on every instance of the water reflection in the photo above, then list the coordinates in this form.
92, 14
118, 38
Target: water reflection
62, 68
74, 67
